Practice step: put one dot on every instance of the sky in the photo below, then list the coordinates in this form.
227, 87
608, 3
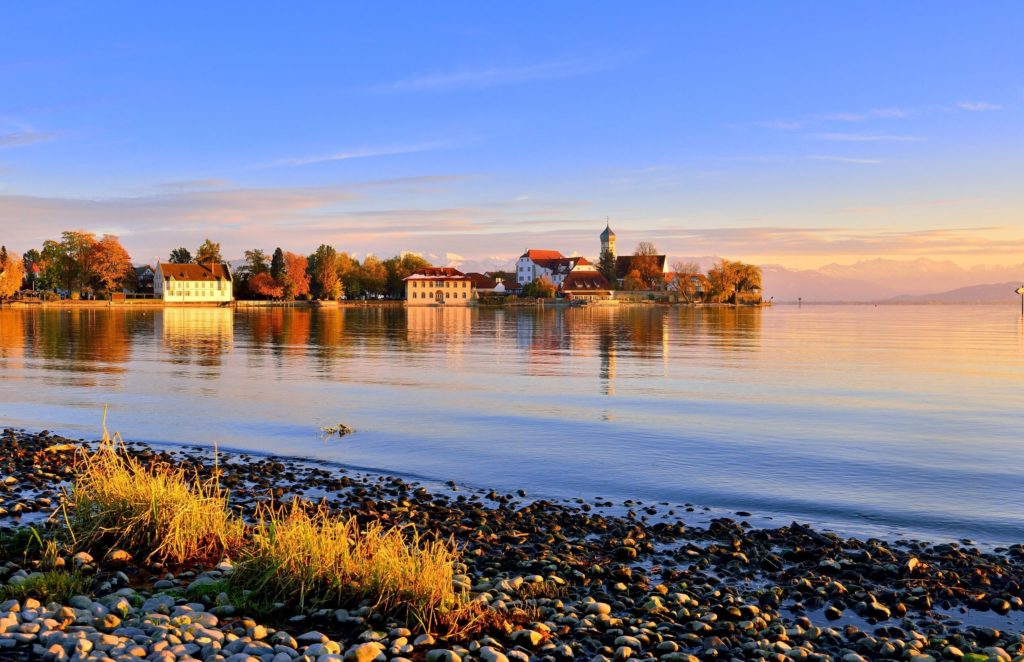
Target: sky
794, 133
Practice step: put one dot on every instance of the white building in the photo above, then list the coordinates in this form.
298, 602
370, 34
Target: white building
193, 283
534, 264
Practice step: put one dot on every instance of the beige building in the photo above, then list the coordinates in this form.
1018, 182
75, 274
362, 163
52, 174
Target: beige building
439, 286
192, 283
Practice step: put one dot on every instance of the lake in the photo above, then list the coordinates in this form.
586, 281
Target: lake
888, 421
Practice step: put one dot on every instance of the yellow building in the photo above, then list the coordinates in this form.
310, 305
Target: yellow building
439, 286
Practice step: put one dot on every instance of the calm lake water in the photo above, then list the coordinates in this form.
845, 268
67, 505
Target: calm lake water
883, 421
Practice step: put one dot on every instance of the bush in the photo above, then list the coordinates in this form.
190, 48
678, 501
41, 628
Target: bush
52, 586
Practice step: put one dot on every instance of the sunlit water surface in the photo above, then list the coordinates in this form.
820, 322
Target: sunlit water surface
883, 421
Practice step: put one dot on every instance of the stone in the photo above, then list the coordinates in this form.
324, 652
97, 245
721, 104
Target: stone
527, 638
442, 655
492, 654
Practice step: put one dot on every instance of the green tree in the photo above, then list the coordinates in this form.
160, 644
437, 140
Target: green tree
399, 268
277, 265
180, 256
30, 260
208, 253
348, 274
256, 261
606, 265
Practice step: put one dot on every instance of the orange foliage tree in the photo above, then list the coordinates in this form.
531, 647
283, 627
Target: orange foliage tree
110, 263
263, 284
295, 280
12, 272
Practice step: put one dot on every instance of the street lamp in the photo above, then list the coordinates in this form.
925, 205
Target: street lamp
1020, 291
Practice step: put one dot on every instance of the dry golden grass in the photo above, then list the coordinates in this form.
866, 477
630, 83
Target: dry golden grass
314, 559
160, 512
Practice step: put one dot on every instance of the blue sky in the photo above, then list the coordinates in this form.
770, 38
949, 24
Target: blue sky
797, 133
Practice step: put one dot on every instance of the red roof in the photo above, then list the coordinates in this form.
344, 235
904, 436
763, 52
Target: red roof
193, 272
538, 254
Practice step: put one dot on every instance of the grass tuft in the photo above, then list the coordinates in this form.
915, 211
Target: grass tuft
158, 512
52, 586
315, 560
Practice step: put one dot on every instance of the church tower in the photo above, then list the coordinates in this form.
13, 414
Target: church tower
608, 240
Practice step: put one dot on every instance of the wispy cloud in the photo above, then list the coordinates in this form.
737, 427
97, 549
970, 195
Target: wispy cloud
496, 76
874, 113
782, 125
361, 153
844, 159
865, 137
26, 137
978, 106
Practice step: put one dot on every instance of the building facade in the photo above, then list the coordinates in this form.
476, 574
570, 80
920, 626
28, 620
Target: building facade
554, 266
439, 286
193, 283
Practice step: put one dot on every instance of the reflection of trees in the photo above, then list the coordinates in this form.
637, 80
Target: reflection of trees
197, 335
12, 335
83, 339
729, 328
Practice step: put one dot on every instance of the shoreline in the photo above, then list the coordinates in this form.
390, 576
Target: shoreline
593, 584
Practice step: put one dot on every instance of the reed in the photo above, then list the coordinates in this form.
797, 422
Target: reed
160, 512
313, 559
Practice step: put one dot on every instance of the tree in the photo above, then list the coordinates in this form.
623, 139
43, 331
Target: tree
72, 257
295, 280
399, 268
208, 253
646, 262
373, 275
263, 284
542, 288
607, 266
12, 272
277, 264
323, 270
748, 278
110, 265
634, 280
348, 274
30, 261
724, 277
180, 256
256, 261
687, 278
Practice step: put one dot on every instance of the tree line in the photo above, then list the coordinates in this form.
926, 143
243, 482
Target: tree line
80, 263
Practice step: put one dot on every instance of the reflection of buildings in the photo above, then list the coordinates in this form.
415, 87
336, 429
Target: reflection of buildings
199, 335
439, 325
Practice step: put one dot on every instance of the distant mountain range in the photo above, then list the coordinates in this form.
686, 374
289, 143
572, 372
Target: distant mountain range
880, 280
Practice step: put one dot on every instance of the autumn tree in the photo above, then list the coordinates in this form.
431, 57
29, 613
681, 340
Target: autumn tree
208, 253
748, 278
180, 256
264, 285
110, 265
294, 280
647, 263
724, 276
634, 280
12, 272
541, 288
373, 275
687, 278
323, 270
30, 263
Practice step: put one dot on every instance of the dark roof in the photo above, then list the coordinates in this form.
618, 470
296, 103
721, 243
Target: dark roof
438, 272
624, 263
482, 281
585, 281
194, 272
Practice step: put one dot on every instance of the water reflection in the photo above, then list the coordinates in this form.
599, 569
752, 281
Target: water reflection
197, 336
